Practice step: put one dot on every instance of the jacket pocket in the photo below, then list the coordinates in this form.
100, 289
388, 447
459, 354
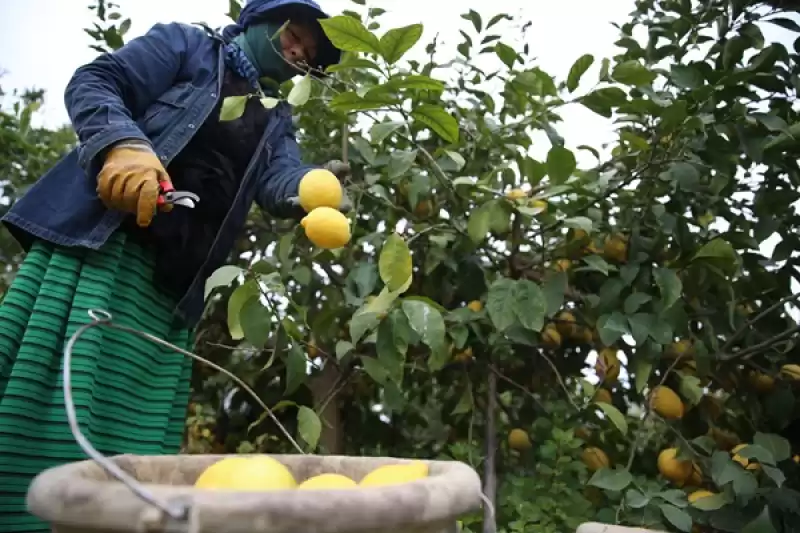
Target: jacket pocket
167, 107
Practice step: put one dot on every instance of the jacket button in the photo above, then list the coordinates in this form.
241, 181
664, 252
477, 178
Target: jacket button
190, 126
163, 157
213, 95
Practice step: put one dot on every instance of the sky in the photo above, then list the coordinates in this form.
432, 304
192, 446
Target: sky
560, 33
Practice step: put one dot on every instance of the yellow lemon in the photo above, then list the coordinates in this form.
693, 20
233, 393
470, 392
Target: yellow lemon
516, 194
699, 495
594, 458
607, 365
395, 474
519, 440
320, 188
475, 305
251, 473
327, 228
790, 372
749, 464
602, 396
667, 403
327, 481
673, 469
551, 338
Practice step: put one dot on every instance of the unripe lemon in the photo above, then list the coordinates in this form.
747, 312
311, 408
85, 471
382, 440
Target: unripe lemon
327, 481
395, 474
327, 228
320, 188
516, 194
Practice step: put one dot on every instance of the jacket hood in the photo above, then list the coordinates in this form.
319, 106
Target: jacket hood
256, 11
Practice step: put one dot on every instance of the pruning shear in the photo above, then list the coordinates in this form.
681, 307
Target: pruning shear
169, 195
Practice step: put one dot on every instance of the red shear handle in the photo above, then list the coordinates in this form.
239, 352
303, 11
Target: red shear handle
165, 186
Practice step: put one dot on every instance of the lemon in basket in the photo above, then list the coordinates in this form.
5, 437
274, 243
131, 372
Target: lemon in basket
254, 473
327, 481
395, 474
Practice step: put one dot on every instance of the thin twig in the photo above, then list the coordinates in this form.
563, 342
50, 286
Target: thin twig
489, 470
758, 317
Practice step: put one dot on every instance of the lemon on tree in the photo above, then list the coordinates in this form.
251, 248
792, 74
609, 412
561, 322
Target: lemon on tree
667, 403
602, 396
519, 440
319, 188
327, 481
475, 305
395, 474
673, 469
251, 473
327, 228
607, 365
594, 458
790, 372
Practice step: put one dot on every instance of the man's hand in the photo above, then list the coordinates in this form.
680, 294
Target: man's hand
130, 181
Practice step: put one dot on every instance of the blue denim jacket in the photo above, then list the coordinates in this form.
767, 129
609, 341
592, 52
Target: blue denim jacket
158, 88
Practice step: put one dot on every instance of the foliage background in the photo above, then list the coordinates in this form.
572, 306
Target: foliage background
652, 257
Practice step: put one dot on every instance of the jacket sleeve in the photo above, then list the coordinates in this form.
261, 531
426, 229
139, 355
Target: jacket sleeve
104, 97
282, 176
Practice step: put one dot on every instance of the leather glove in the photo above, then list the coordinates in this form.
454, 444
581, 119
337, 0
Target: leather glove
339, 169
130, 181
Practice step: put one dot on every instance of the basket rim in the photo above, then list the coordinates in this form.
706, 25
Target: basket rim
64, 495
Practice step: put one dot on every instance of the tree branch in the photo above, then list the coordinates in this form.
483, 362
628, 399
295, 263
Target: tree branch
489, 470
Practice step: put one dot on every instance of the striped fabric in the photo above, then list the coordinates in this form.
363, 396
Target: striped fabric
131, 395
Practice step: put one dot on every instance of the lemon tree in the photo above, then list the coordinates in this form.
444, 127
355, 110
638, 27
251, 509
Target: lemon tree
629, 308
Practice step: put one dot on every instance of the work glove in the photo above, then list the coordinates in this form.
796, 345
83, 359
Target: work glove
339, 169
130, 181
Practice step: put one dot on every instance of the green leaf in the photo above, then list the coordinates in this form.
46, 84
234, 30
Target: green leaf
222, 277
711, 503
375, 370
762, 523
380, 131
597, 263
500, 303
554, 288
390, 355
686, 76
506, 54
426, 321
301, 92
361, 324
233, 107
785, 23
400, 162
350, 101
778, 446
634, 301
560, 164
438, 120
757, 452
677, 517
475, 18
722, 253
268, 102
635, 499
669, 284
466, 402
296, 369
616, 417
395, 263
690, 388
248, 290
604, 101
309, 426
343, 348
256, 322
530, 305
412, 81
350, 35
577, 71
581, 223
642, 369
632, 73
612, 327
396, 42
615, 480
353, 63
